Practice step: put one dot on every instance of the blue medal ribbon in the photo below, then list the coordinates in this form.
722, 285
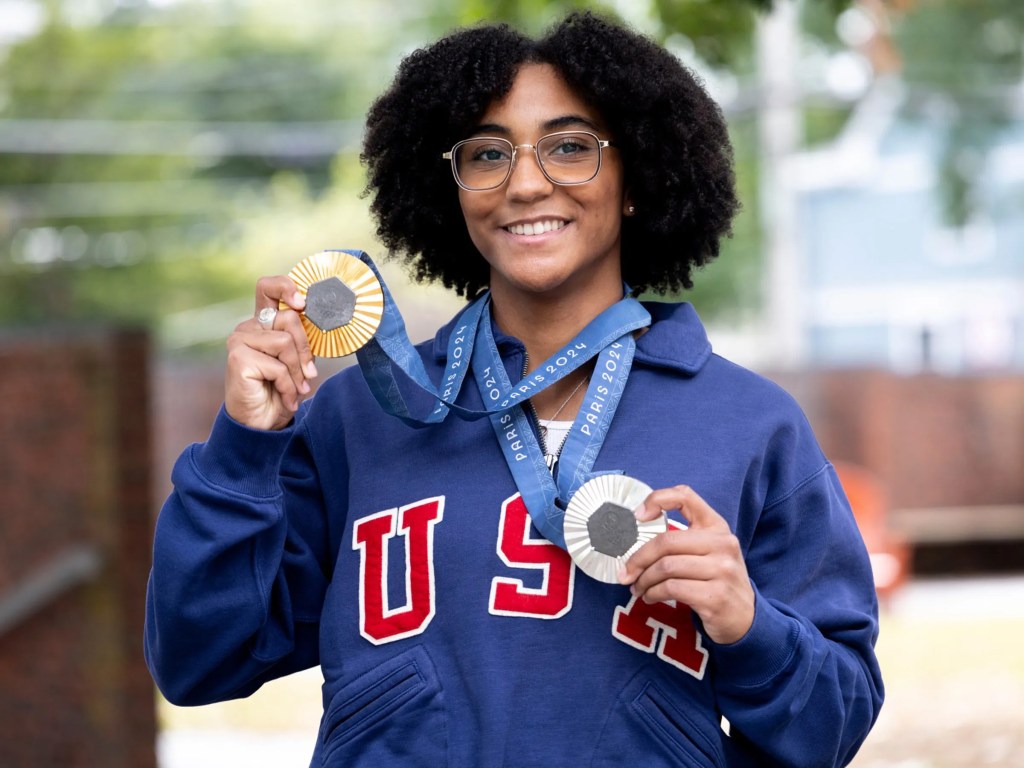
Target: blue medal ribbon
390, 348
546, 496
609, 337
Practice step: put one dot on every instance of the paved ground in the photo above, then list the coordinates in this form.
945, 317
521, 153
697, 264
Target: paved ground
952, 652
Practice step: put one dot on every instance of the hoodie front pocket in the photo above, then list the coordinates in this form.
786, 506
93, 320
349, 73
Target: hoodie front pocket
392, 715
684, 734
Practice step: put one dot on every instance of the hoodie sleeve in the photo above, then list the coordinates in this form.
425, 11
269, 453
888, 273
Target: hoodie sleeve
237, 580
804, 684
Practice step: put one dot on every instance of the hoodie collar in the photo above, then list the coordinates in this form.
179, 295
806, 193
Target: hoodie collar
675, 339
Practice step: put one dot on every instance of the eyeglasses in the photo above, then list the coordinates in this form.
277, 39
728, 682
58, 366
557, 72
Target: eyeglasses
566, 158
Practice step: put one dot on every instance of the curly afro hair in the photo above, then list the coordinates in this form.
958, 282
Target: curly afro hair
671, 135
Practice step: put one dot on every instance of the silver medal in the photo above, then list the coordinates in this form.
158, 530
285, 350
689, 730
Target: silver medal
601, 532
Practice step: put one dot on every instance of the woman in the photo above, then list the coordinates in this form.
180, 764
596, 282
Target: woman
403, 560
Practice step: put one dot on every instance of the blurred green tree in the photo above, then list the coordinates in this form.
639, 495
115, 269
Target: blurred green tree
140, 151
136, 148
132, 150
963, 63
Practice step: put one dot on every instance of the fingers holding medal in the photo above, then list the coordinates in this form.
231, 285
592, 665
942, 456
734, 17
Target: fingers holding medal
269, 359
601, 530
701, 566
328, 305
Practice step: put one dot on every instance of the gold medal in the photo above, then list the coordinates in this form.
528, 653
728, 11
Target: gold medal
601, 532
344, 302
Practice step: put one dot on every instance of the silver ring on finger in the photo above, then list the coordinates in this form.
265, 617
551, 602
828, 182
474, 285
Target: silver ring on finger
266, 317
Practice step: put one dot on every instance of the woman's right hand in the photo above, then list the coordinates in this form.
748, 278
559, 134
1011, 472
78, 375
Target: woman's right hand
268, 369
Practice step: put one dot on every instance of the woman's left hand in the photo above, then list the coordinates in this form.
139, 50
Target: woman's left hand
701, 566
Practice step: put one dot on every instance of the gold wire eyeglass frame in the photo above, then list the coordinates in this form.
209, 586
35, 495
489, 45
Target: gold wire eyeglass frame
450, 155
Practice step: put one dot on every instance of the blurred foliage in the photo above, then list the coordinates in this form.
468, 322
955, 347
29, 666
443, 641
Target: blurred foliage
720, 32
963, 62
139, 236
530, 15
729, 288
157, 236
131, 235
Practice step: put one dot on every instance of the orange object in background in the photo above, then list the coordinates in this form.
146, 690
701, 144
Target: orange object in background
890, 554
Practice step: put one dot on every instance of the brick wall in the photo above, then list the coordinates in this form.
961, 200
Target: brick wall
186, 397
935, 441
75, 469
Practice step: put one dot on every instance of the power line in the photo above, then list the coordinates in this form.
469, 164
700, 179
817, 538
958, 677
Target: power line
208, 140
105, 199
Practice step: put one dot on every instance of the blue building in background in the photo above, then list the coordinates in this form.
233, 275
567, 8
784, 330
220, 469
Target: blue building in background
886, 280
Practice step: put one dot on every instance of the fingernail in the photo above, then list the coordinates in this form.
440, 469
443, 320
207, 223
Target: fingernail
304, 387
310, 369
640, 512
632, 589
623, 576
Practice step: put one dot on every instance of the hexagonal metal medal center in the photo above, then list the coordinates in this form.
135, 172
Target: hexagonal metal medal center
612, 529
330, 304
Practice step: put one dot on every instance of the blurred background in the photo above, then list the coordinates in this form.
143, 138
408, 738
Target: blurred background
158, 156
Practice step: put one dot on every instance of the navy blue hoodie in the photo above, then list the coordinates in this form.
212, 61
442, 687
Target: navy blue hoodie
449, 633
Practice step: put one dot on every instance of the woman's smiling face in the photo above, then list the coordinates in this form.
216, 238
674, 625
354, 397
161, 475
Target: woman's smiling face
539, 237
